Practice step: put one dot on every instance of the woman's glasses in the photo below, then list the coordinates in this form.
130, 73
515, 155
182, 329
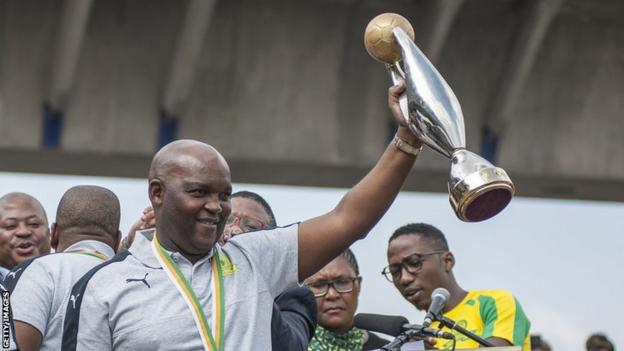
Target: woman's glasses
341, 285
246, 224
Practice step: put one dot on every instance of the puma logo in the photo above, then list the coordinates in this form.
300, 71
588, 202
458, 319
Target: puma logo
144, 280
12, 274
73, 300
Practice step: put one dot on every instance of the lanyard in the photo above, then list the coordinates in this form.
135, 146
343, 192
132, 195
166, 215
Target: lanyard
218, 304
87, 252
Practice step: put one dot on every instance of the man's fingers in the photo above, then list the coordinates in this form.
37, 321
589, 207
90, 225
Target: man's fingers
396, 90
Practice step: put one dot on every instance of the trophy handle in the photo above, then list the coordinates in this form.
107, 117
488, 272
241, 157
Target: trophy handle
397, 75
432, 105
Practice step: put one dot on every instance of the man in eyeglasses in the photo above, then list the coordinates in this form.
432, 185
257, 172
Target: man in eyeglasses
420, 262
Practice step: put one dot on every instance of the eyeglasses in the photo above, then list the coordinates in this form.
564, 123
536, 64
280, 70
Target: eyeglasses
341, 285
412, 263
246, 224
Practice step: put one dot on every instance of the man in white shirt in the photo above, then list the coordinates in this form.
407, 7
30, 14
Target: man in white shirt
24, 231
85, 234
182, 291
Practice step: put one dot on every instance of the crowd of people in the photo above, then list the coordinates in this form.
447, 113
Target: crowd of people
208, 269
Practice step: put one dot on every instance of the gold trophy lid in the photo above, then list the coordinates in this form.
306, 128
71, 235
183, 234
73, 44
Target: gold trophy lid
379, 40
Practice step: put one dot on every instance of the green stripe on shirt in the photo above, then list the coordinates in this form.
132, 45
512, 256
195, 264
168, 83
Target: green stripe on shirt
521, 325
488, 311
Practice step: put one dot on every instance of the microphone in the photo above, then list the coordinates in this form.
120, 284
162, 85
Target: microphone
395, 326
439, 297
389, 325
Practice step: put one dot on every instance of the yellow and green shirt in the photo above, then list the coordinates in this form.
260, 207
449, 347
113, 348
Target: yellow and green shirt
488, 313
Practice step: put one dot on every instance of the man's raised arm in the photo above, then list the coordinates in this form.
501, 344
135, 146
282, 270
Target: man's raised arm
323, 238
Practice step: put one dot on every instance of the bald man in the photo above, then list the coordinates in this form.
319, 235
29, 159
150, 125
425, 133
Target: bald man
294, 312
182, 291
85, 234
24, 231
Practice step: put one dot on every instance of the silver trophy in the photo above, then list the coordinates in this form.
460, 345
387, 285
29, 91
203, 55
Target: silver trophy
478, 190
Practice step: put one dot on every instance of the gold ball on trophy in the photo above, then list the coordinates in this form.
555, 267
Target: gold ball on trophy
379, 40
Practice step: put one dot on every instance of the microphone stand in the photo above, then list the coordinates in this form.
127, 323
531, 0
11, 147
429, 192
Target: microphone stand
401, 339
414, 331
449, 323
396, 344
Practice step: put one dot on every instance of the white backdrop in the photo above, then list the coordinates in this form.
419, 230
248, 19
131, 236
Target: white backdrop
560, 258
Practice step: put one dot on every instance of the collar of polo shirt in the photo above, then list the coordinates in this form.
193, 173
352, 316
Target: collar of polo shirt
143, 253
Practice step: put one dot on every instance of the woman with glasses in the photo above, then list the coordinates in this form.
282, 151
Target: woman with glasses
250, 212
337, 288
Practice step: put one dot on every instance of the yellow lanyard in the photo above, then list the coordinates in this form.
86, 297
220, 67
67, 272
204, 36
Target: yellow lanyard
88, 252
218, 299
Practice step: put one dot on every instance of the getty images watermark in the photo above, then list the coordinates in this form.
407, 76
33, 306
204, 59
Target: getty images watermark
6, 321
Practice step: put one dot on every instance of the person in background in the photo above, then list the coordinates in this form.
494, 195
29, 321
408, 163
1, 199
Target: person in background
337, 288
539, 344
599, 342
85, 234
419, 261
24, 231
294, 311
250, 212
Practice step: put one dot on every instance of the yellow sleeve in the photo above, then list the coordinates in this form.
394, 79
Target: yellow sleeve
503, 317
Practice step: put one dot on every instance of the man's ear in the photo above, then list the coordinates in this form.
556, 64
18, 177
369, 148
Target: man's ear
449, 261
54, 238
156, 190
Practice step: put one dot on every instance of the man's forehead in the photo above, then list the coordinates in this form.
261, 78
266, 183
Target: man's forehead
211, 182
408, 244
248, 206
189, 165
21, 207
217, 181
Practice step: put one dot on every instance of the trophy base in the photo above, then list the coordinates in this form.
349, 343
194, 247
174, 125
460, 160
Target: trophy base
482, 194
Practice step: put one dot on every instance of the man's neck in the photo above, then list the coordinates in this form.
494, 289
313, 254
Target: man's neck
73, 238
193, 258
457, 295
171, 246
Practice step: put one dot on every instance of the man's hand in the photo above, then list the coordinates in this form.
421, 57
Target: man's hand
147, 220
394, 93
403, 132
429, 343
